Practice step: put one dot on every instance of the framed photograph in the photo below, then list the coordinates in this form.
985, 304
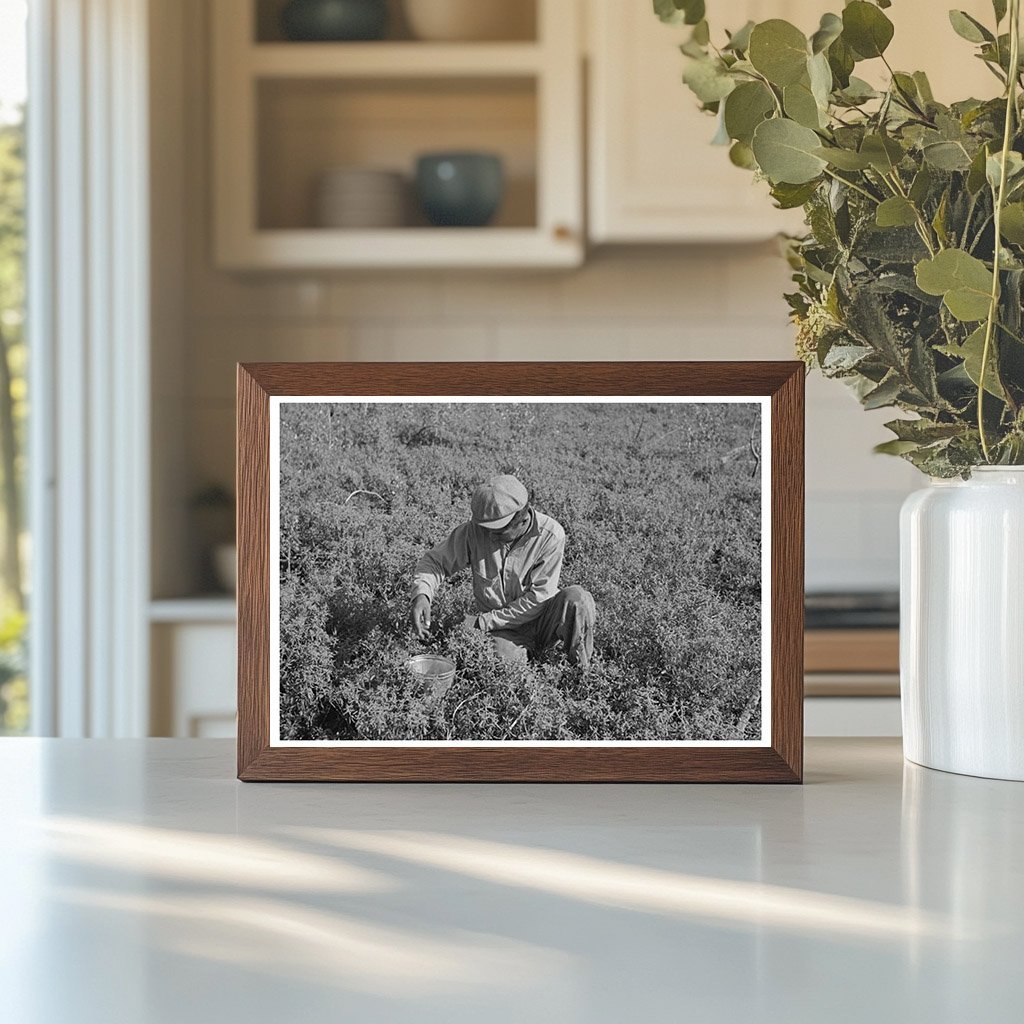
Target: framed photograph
520, 572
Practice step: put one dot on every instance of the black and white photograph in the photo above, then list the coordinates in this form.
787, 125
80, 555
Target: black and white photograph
517, 571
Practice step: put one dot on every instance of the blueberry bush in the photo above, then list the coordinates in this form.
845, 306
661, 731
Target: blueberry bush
661, 505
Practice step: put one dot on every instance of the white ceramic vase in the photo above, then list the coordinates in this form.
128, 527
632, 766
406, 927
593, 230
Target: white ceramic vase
962, 624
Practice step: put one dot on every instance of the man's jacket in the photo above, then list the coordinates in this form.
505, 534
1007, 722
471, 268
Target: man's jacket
510, 582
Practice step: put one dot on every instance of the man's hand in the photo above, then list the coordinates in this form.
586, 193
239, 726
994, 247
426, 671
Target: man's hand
420, 615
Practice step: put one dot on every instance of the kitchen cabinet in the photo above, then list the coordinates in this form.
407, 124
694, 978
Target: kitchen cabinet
653, 175
192, 648
287, 113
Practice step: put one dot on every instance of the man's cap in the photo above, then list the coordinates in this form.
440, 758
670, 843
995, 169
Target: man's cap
497, 501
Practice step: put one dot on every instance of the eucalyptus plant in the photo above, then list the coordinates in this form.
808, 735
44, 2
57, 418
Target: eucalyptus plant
910, 278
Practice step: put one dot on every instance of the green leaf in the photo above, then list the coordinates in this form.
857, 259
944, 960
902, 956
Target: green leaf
695, 11
906, 88
668, 12
976, 174
1012, 223
967, 304
789, 197
999, 7
830, 28
676, 12
866, 29
997, 53
820, 76
883, 153
921, 369
969, 28
739, 41
800, 105
921, 185
963, 281
946, 156
701, 33
923, 431
844, 159
896, 212
841, 60
895, 447
842, 358
742, 155
924, 88
971, 352
778, 50
707, 80
994, 167
785, 152
745, 108
858, 91
939, 220
885, 394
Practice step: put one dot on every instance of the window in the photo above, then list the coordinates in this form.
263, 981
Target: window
14, 549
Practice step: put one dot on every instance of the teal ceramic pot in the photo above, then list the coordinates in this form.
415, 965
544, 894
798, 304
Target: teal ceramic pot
461, 190
334, 21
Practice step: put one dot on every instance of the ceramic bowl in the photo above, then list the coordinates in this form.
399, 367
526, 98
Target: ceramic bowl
460, 189
358, 197
334, 20
471, 20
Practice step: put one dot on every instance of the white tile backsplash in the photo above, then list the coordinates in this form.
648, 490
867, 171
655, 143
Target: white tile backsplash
373, 296
507, 298
561, 340
646, 285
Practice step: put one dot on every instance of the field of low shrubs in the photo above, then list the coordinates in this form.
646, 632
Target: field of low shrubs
661, 507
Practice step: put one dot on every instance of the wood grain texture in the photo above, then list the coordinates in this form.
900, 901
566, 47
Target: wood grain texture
787, 502
781, 762
252, 487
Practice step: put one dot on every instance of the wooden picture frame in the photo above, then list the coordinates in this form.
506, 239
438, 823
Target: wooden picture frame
777, 756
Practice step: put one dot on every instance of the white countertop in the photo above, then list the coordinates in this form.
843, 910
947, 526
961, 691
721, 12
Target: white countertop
142, 884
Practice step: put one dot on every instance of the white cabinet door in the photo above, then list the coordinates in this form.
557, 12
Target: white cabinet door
653, 175
193, 679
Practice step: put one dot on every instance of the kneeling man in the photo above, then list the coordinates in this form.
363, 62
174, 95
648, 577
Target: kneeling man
515, 553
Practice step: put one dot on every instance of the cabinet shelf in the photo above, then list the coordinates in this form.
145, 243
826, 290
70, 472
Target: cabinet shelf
287, 113
404, 248
392, 60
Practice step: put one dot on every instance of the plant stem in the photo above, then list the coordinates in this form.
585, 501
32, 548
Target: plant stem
855, 187
771, 90
993, 309
969, 218
922, 225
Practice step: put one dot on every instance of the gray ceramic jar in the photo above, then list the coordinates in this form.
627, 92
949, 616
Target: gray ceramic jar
460, 189
334, 20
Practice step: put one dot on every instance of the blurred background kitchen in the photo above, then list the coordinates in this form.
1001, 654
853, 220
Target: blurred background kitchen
214, 181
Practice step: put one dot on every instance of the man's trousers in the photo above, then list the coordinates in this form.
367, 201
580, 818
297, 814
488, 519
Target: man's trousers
568, 616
